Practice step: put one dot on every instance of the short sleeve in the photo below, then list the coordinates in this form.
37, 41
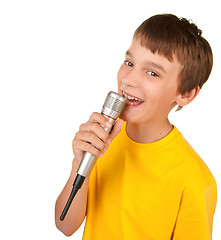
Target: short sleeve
195, 216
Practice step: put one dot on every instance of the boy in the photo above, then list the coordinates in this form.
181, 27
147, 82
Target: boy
150, 184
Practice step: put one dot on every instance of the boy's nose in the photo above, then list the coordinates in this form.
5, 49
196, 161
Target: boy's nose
130, 79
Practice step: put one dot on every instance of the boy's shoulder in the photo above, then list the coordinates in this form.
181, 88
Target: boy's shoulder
198, 173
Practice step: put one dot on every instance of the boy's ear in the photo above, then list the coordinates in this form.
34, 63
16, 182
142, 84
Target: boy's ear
184, 99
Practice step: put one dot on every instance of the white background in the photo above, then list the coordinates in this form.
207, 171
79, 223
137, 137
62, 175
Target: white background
58, 60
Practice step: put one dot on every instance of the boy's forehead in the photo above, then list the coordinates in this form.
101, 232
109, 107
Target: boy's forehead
139, 50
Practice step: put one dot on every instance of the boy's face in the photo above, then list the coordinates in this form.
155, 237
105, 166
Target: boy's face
149, 82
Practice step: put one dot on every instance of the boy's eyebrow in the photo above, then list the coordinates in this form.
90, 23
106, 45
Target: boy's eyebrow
149, 62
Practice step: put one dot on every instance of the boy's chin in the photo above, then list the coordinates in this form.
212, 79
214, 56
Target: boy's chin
123, 116
127, 116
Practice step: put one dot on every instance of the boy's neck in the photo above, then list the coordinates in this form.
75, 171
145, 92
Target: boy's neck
148, 132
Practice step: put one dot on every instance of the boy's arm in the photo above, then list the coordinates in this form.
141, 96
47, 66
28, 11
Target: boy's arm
195, 217
76, 213
91, 138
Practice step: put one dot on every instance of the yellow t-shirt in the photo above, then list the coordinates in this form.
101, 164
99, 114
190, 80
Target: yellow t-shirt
155, 191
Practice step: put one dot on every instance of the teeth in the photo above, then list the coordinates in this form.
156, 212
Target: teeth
131, 98
131, 103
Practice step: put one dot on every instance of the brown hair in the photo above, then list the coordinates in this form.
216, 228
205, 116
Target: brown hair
169, 35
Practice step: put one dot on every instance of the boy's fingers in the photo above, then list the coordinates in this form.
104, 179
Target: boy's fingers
117, 127
99, 118
95, 128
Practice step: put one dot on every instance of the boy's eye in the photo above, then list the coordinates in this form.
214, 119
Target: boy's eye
153, 74
128, 63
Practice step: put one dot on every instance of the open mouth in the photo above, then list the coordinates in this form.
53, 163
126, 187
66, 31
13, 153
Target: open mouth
132, 100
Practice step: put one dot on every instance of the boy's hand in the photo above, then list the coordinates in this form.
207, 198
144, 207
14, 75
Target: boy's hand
92, 138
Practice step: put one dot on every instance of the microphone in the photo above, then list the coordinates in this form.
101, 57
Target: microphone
112, 107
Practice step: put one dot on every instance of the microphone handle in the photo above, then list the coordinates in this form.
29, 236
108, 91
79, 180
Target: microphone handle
88, 160
86, 164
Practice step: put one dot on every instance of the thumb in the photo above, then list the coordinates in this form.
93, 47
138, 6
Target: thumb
117, 127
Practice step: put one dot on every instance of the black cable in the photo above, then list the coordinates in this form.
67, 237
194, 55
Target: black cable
76, 186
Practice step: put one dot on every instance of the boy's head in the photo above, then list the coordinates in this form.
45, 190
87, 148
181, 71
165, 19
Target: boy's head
168, 35
166, 65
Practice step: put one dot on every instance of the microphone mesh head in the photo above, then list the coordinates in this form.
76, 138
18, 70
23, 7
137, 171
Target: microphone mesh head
115, 102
